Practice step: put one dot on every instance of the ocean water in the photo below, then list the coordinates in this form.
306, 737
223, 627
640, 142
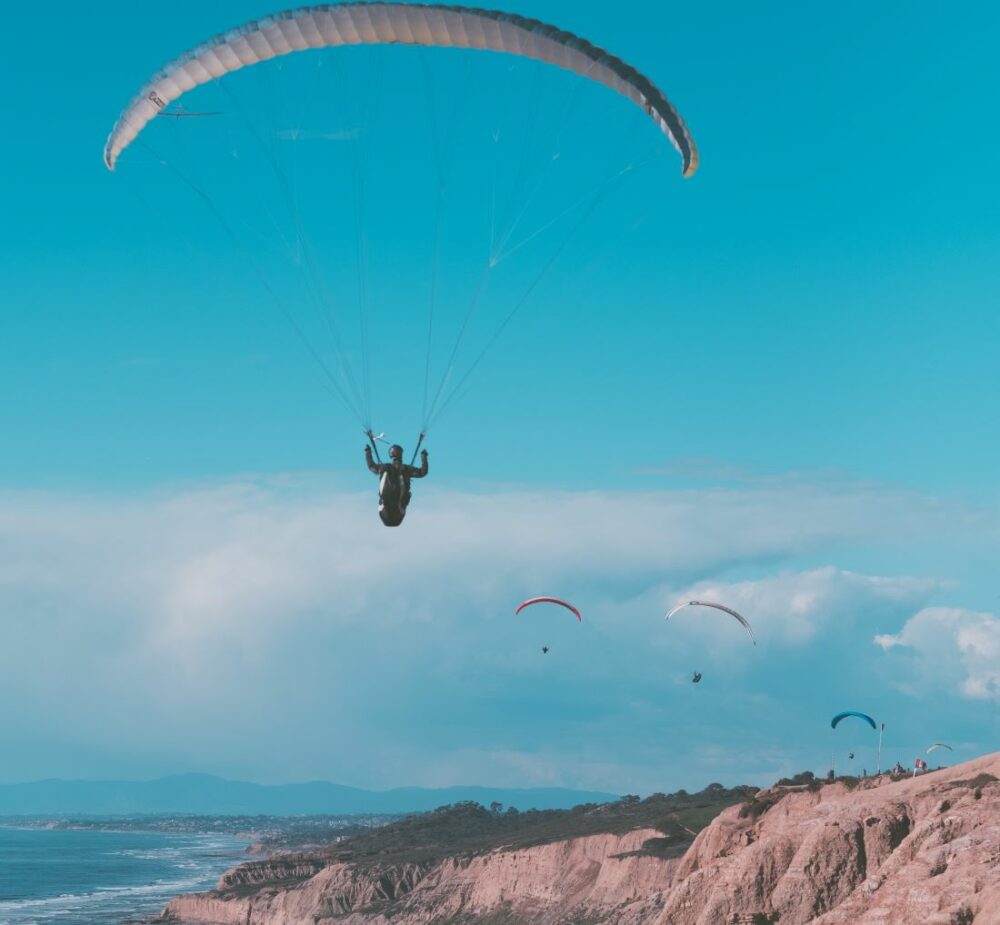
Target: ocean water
53, 877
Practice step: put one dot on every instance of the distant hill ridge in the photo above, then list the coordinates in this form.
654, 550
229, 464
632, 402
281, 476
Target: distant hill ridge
203, 794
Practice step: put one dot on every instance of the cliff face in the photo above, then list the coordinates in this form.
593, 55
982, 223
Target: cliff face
921, 850
551, 883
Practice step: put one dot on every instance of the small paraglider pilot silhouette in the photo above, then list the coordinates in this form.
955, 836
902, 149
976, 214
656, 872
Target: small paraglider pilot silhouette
696, 677
394, 483
545, 650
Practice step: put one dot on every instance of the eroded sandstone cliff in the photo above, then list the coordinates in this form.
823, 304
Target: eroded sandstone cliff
923, 850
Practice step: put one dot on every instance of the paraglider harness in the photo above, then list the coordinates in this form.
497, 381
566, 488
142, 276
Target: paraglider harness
393, 496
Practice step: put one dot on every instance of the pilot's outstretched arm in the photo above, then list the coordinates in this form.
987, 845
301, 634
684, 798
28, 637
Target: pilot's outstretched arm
373, 467
416, 473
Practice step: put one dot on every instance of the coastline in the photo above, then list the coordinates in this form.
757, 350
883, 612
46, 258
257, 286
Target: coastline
85, 877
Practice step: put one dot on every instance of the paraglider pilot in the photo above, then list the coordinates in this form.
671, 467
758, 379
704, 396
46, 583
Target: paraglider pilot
394, 483
696, 678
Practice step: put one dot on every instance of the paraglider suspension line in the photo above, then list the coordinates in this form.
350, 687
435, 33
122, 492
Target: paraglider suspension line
416, 450
245, 254
374, 443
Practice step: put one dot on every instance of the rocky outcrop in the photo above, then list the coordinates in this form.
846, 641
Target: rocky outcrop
338, 893
277, 869
923, 850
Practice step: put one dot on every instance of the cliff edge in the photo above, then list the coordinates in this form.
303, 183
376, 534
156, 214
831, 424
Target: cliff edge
883, 851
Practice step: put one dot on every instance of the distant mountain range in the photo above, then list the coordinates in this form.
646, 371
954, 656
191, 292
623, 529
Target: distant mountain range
204, 795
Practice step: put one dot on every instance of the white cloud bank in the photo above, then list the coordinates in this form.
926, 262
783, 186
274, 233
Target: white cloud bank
273, 627
191, 567
949, 649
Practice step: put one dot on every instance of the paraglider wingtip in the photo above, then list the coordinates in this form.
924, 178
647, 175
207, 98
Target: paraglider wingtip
109, 155
692, 165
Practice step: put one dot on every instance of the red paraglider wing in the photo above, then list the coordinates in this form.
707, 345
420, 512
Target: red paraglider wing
550, 600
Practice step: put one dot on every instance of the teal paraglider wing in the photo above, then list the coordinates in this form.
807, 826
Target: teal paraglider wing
861, 716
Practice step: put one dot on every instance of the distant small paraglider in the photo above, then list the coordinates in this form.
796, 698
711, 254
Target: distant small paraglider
696, 678
545, 650
744, 622
864, 717
550, 600
939, 745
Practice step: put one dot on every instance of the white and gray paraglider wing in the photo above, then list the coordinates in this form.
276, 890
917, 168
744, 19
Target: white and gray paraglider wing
744, 622
332, 25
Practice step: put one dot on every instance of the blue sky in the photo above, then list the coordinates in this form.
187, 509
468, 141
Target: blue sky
775, 383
